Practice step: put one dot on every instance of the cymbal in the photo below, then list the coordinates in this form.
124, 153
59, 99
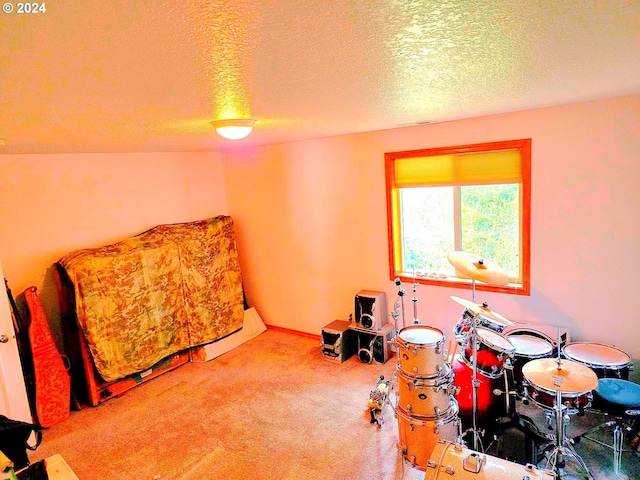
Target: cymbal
478, 268
568, 377
482, 310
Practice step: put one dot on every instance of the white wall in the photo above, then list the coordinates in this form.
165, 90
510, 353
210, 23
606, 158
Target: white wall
311, 220
51, 205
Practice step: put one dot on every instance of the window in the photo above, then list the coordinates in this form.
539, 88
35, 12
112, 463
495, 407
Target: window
474, 198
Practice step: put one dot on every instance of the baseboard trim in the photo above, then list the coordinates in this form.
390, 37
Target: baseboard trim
289, 330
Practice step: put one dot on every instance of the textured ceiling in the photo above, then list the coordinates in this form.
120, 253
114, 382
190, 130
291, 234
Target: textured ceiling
149, 75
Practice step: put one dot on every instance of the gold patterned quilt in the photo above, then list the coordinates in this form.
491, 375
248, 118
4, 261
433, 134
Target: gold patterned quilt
147, 297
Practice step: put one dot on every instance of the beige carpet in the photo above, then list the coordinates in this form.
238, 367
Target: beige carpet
271, 409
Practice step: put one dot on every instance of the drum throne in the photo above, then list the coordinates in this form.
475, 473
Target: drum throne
621, 400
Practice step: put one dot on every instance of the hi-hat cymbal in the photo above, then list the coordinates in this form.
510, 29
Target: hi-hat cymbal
482, 310
567, 377
478, 268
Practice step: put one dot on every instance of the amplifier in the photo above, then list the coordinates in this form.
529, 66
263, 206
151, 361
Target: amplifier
373, 345
338, 342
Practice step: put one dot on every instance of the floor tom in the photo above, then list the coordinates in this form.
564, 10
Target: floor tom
496, 396
463, 380
418, 436
605, 361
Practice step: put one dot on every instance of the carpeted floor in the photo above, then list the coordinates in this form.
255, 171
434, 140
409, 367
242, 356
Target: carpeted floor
271, 409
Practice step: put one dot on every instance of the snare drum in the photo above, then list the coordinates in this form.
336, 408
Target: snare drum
419, 436
420, 350
546, 399
606, 361
493, 351
424, 397
465, 322
528, 347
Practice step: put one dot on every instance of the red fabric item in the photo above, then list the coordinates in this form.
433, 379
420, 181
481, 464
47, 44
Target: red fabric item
53, 385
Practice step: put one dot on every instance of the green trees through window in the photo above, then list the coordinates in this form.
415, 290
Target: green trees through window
473, 198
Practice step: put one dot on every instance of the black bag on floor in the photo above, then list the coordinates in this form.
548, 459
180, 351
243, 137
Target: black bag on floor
14, 440
36, 471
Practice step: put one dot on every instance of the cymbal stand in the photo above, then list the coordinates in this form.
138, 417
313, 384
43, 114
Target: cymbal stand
563, 447
475, 383
473, 290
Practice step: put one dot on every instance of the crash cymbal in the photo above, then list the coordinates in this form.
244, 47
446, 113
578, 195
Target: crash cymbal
478, 268
482, 310
568, 376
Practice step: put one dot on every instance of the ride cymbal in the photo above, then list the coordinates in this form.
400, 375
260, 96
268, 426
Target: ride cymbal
567, 377
482, 310
478, 268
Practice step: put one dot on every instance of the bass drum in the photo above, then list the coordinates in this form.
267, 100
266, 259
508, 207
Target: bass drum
418, 436
449, 459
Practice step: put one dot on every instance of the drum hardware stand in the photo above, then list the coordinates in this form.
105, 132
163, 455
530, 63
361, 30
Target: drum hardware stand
563, 447
618, 438
394, 315
473, 290
401, 293
475, 383
379, 401
415, 300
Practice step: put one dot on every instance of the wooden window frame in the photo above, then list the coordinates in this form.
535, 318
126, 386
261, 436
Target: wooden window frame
524, 146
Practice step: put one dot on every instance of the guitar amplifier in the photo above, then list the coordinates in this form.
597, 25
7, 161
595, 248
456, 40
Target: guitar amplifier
338, 342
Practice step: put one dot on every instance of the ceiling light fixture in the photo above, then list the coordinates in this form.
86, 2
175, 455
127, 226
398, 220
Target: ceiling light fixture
234, 129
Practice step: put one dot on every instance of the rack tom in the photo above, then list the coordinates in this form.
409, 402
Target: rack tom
527, 347
420, 350
424, 397
465, 324
493, 351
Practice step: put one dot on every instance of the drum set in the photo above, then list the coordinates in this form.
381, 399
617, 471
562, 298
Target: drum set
424, 404
443, 397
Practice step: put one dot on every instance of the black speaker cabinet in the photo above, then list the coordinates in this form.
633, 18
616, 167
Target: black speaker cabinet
371, 309
373, 345
338, 341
